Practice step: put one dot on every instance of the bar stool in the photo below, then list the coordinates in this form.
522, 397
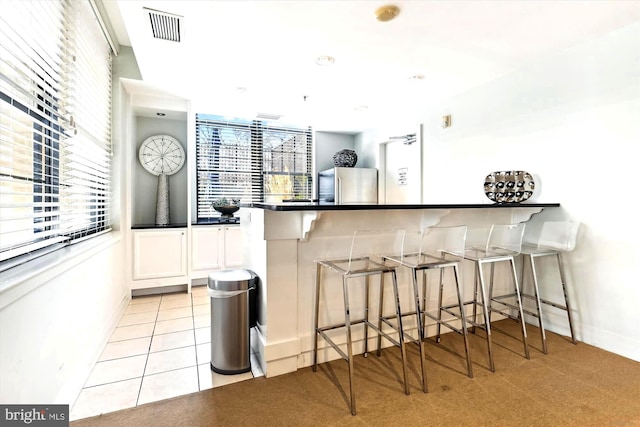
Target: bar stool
360, 265
554, 238
434, 245
503, 244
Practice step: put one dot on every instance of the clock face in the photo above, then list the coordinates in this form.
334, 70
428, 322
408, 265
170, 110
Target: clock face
161, 154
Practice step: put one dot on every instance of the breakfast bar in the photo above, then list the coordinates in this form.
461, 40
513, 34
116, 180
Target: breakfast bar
281, 243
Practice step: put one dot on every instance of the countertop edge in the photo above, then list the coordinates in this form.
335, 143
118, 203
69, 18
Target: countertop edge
157, 226
328, 207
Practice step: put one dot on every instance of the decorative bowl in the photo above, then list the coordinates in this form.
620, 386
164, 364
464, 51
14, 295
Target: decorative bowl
509, 186
345, 158
226, 211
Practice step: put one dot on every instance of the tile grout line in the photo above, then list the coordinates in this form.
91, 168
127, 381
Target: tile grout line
149, 350
195, 342
154, 335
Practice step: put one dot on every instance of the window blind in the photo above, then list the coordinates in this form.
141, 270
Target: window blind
250, 160
55, 121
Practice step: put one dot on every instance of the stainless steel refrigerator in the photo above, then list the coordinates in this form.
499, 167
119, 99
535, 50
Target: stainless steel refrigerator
348, 186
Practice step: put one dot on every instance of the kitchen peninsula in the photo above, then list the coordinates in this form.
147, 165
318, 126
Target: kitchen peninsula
281, 243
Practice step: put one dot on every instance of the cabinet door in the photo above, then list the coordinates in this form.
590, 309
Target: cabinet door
158, 254
205, 248
232, 247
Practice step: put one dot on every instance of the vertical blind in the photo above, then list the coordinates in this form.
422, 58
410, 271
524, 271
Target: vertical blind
250, 160
55, 125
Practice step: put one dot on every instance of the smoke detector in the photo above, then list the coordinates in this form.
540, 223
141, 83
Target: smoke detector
387, 13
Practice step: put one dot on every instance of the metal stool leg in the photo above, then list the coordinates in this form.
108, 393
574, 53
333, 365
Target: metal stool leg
439, 318
491, 275
536, 295
366, 316
424, 304
403, 350
315, 323
475, 298
485, 313
566, 297
347, 322
463, 321
380, 305
420, 322
521, 313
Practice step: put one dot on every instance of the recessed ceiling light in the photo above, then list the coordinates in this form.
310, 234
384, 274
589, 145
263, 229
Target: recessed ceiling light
325, 60
387, 13
268, 116
241, 89
361, 108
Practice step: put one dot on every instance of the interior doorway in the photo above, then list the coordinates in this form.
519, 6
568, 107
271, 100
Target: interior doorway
402, 167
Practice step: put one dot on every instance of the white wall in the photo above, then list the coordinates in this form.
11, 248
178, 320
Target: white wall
52, 336
326, 144
573, 120
56, 320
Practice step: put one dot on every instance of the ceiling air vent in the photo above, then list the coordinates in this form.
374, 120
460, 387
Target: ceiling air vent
165, 26
268, 116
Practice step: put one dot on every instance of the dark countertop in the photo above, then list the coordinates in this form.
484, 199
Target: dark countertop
217, 221
149, 226
213, 221
292, 207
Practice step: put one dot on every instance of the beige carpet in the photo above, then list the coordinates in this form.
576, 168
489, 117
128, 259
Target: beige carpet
573, 385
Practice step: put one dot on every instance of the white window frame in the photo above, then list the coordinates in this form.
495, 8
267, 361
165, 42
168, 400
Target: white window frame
55, 131
250, 161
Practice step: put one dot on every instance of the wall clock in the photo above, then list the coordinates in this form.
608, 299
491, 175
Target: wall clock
161, 154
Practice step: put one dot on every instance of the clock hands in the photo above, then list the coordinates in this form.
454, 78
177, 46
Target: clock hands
162, 154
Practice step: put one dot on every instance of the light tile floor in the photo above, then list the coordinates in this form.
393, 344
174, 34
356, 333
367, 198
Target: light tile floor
160, 349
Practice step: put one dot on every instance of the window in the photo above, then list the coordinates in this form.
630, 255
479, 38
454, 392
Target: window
250, 160
55, 126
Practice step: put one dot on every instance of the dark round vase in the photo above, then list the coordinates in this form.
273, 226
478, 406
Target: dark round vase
345, 158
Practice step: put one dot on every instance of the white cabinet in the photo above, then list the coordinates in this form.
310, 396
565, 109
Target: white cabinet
159, 257
206, 243
232, 247
215, 248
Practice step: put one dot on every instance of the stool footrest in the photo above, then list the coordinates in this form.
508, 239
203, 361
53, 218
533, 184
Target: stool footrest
499, 297
367, 323
468, 319
446, 323
335, 346
547, 302
384, 334
448, 311
505, 314
388, 321
506, 304
341, 325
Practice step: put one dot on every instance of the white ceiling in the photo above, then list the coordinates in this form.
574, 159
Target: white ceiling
269, 48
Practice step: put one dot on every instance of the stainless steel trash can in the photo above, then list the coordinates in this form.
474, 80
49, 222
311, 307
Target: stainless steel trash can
230, 313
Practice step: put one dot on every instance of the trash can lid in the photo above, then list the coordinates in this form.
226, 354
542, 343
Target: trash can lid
232, 280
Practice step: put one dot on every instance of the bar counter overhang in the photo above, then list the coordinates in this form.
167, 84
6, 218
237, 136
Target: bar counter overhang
282, 241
